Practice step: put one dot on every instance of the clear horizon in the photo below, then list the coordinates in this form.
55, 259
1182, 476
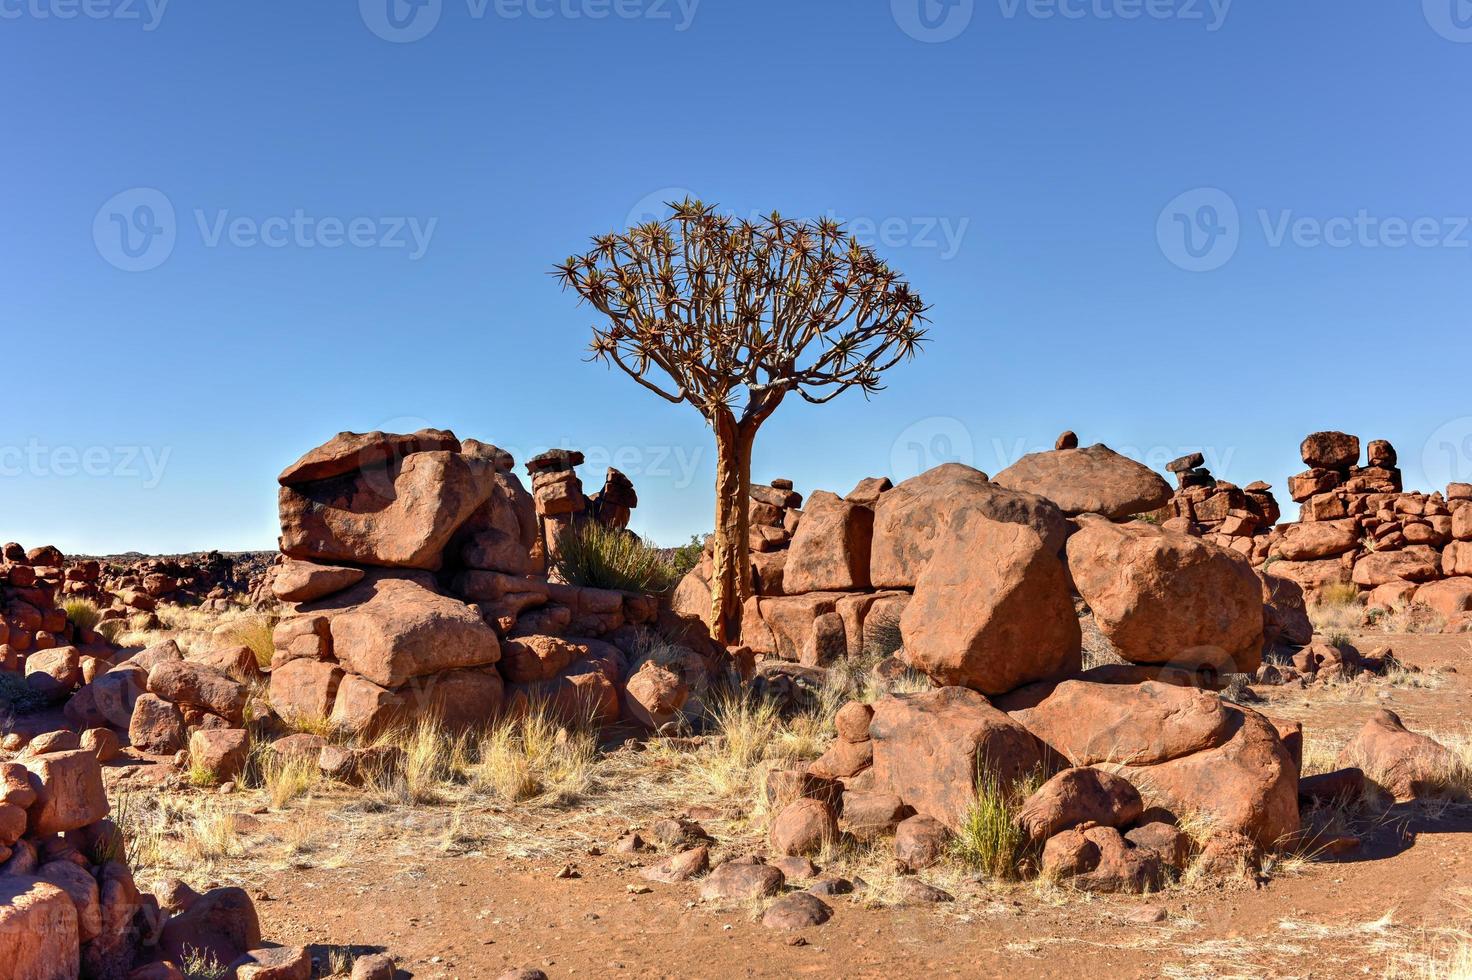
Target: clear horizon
1170, 226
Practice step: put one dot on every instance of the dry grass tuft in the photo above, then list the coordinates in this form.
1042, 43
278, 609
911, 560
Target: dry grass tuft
990, 841
255, 632
82, 613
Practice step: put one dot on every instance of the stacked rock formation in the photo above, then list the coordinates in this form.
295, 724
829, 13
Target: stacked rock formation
415, 587
1234, 517
561, 503
1359, 528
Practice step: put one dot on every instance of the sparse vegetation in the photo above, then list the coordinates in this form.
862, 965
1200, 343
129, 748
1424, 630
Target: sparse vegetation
16, 696
601, 557
687, 556
990, 841
255, 632
82, 613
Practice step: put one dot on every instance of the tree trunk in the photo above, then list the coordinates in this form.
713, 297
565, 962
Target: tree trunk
731, 581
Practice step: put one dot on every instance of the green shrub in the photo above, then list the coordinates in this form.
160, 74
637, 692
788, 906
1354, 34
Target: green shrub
16, 697
687, 556
597, 556
990, 841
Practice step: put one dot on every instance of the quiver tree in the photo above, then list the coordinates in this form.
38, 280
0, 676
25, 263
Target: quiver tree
732, 316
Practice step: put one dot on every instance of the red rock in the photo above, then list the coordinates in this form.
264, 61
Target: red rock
1310, 542
39, 923
101, 742
920, 842
1089, 723
275, 963
221, 754
1449, 597
1312, 575
910, 519
992, 625
199, 686
301, 581
1079, 796
799, 910
1249, 785
403, 516
654, 696
221, 923
803, 827
54, 673
679, 867
1167, 598
852, 721
157, 726
405, 630
843, 759
304, 690
930, 747
741, 882
869, 815
1096, 480
1457, 558
1099, 859
1410, 565
1167, 842
830, 551
70, 794
1330, 450
1285, 612
348, 452
1405, 764
82, 889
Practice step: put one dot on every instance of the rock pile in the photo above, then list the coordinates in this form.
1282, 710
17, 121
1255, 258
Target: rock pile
414, 585
1360, 530
1234, 517
36, 638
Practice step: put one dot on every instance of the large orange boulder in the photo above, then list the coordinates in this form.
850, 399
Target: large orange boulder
992, 610
401, 514
1330, 450
1095, 480
929, 749
1088, 723
912, 517
830, 551
500, 535
1407, 765
38, 929
1316, 540
302, 581
1285, 611
1414, 564
349, 452
1163, 597
1450, 597
1247, 785
404, 629
70, 794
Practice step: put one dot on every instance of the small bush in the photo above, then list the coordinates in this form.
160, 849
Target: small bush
16, 697
597, 556
990, 841
882, 636
533, 757
686, 556
1339, 594
82, 613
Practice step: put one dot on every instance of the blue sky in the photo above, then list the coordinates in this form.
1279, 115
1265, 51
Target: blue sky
363, 223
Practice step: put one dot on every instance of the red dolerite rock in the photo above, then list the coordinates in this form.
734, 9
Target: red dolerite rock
1310, 542
996, 625
302, 581
275, 963
1099, 859
101, 742
852, 721
1457, 558
803, 827
116, 692
1450, 597
1096, 480
81, 888
920, 842
404, 630
1079, 796
304, 690
930, 747
830, 551
1406, 765
157, 726
1330, 450
39, 924
70, 794
199, 686
221, 923
654, 696
910, 519
1167, 598
219, 754
1419, 564
54, 673
1285, 611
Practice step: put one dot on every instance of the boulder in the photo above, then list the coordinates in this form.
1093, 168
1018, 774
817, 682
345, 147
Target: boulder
38, 923
654, 696
1248, 785
157, 726
219, 754
1089, 723
1313, 541
349, 452
82, 889
920, 842
910, 519
1284, 612
1418, 564
803, 827
799, 910
405, 630
992, 609
199, 686
70, 794
1449, 597
1407, 765
1330, 450
304, 690
1078, 796
400, 515
1095, 480
1162, 597
1167, 841
830, 551
302, 581
741, 881
54, 673
1100, 859
929, 749
221, 923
